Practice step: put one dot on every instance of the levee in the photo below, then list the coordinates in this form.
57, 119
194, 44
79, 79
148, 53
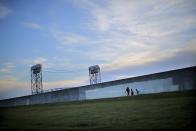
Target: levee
175, 80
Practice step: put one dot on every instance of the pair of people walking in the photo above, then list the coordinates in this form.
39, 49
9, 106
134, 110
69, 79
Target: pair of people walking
132, 92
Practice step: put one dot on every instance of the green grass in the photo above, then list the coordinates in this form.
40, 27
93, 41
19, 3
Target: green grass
155, 111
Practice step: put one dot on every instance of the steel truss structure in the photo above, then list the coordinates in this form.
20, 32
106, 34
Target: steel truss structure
36, 79
94, 74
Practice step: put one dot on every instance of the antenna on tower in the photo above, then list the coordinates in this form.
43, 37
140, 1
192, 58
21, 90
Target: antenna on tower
94, 74
36, 79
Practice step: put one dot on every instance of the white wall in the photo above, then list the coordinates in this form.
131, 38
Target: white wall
144, 87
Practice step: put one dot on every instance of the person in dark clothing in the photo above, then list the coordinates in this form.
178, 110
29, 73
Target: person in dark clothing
137, 91
132, 93
128, 91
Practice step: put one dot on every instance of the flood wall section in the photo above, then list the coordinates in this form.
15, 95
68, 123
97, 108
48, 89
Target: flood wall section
175, 80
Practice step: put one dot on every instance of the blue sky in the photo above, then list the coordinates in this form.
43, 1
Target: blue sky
125, 37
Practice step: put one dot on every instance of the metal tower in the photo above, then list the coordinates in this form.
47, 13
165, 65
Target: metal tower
36, 79
94, 74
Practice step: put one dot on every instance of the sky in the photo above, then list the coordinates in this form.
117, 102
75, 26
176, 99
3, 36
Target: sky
126, 38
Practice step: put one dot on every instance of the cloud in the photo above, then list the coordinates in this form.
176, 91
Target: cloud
4, 11
47, 64
73, 38
132, 60
152, 18
11, 86
34, 61
123, 76
64, 83
40, 60
10, 82
135, 33
101, 20
28, 63
59, 63
51, 63
120, 35
68, 38
8, 67
100, 15
33, 25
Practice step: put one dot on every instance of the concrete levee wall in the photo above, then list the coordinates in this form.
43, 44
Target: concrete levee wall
176, 80
49, 97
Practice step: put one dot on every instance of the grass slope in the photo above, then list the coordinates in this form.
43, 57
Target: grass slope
155, 111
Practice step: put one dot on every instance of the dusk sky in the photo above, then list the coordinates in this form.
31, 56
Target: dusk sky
125, 38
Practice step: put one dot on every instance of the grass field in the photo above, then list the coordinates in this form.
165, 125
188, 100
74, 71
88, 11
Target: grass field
155, 111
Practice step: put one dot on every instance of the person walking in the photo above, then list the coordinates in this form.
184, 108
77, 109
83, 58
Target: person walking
127, 91
137, 91
132, 93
